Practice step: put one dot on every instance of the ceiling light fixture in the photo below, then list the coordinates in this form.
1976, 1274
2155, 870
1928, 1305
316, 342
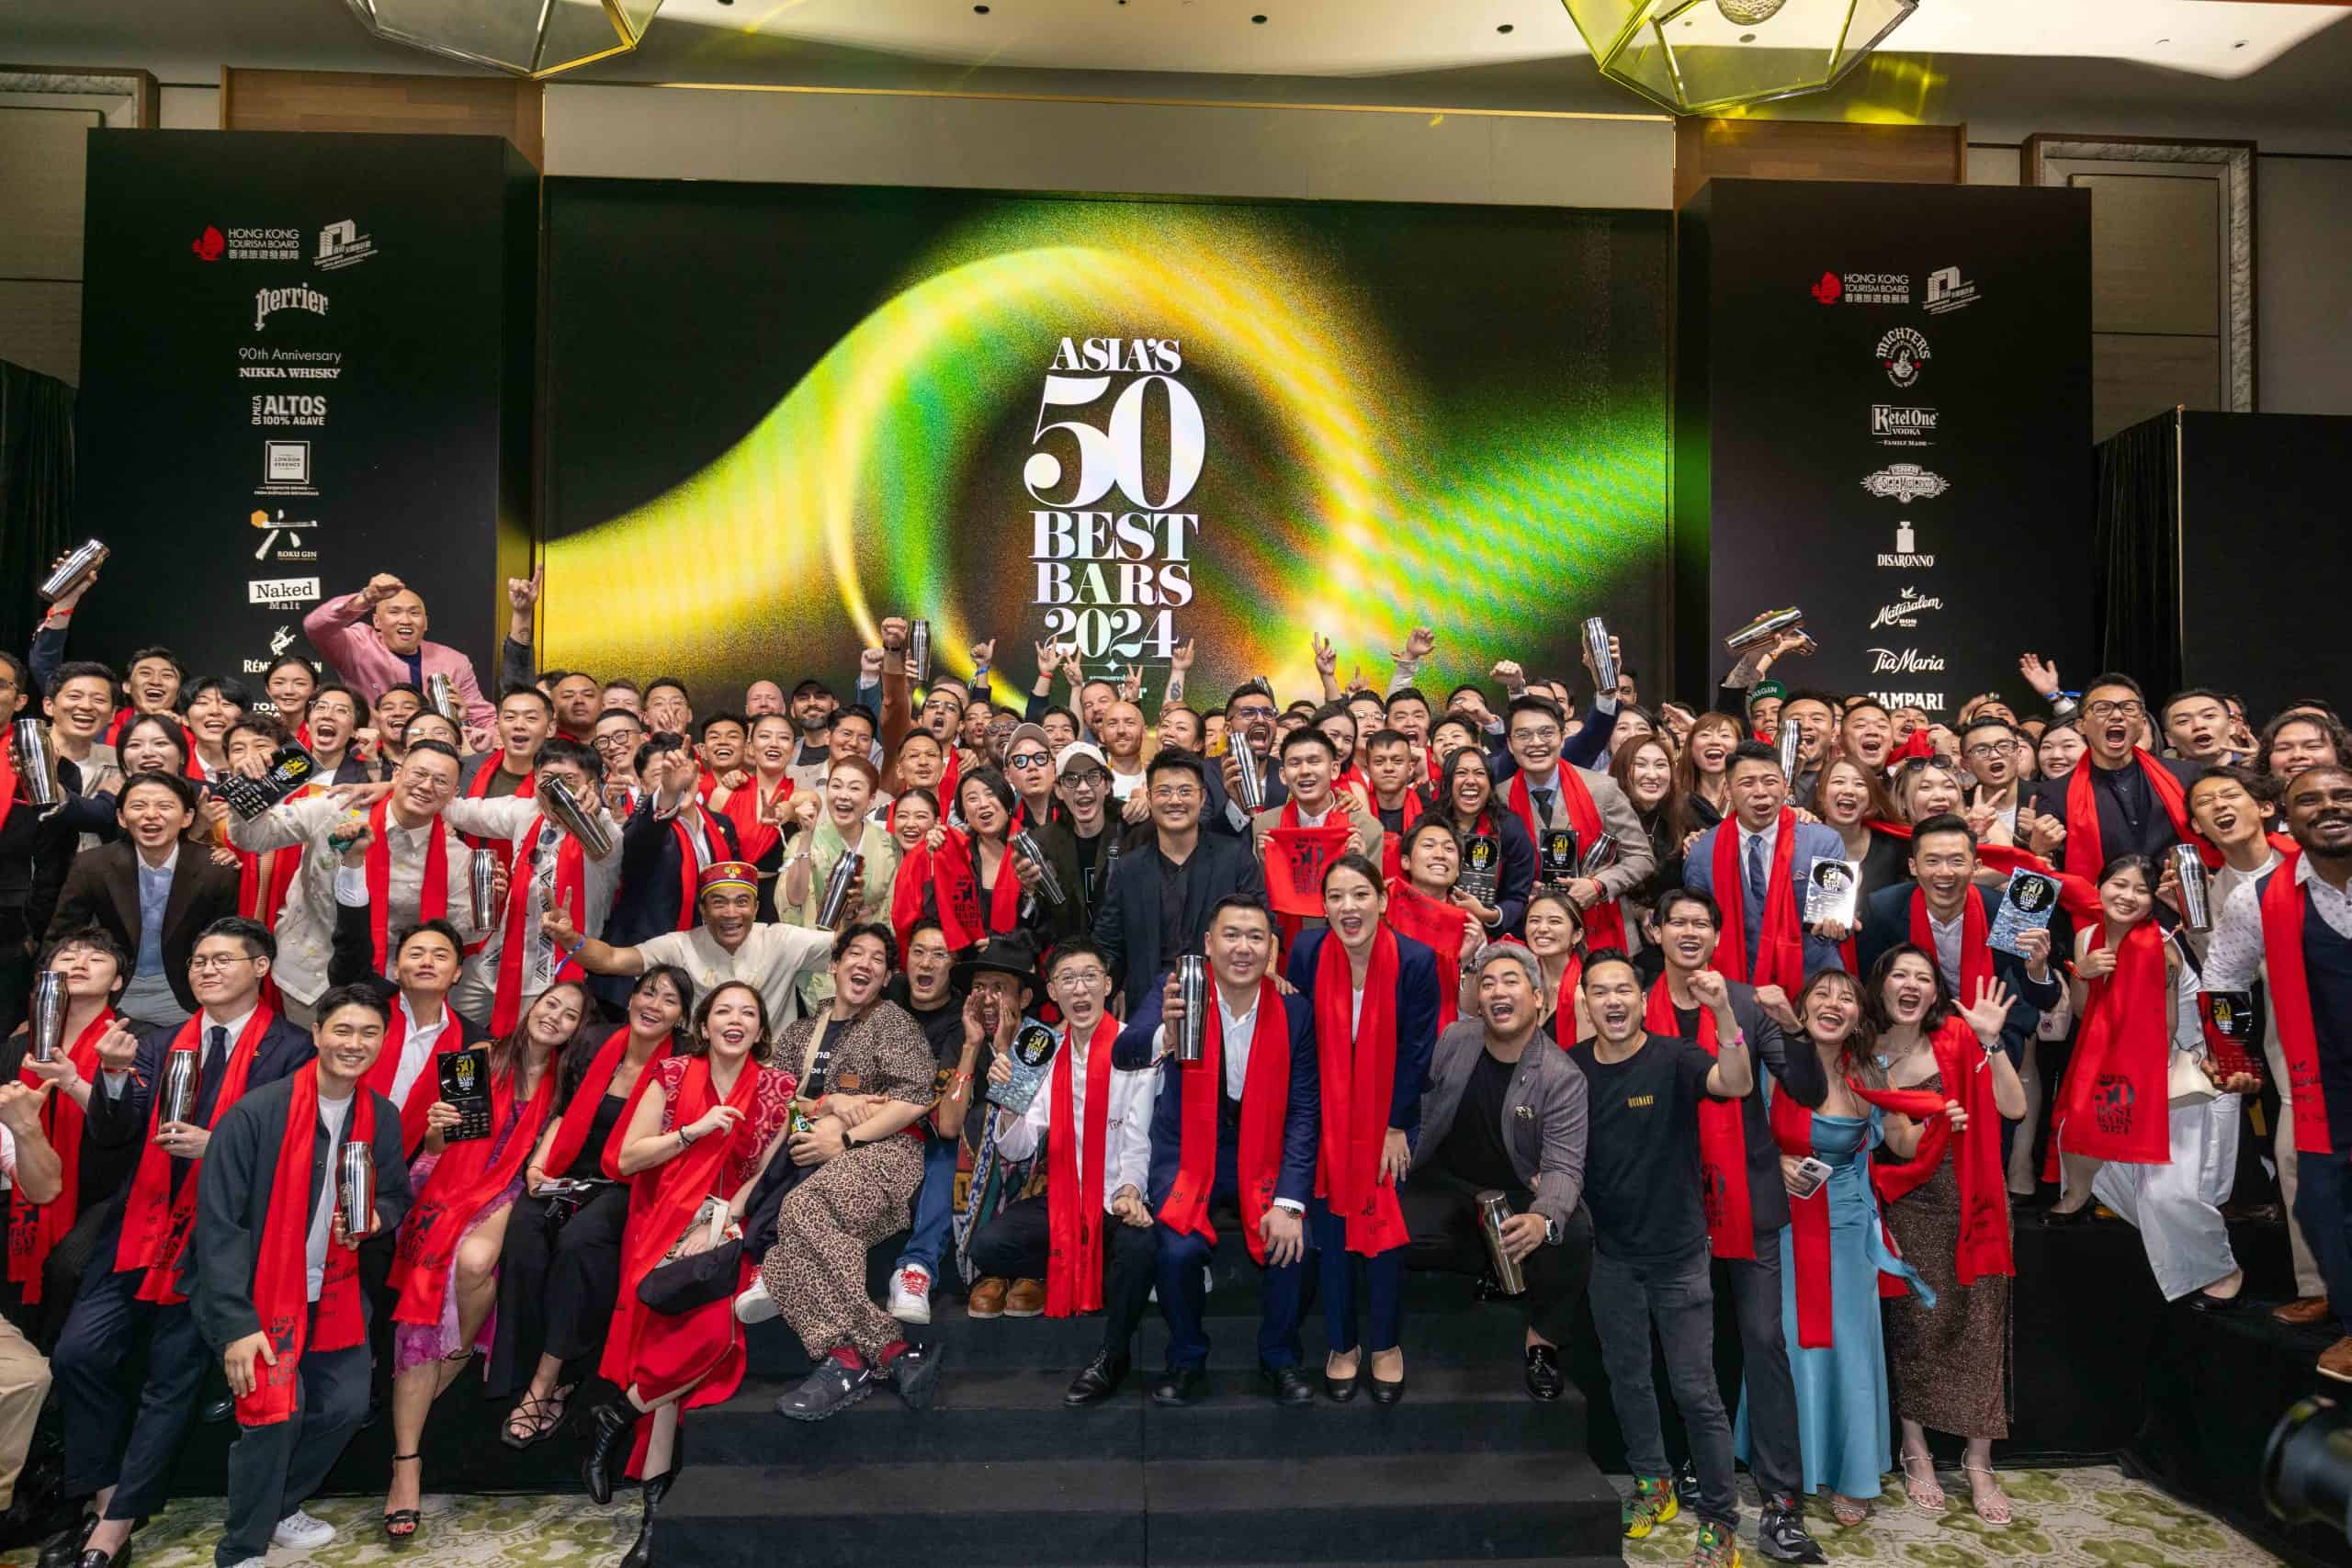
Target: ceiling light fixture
1721, 54
523, 38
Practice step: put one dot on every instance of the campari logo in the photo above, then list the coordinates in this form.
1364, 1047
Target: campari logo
1926, 702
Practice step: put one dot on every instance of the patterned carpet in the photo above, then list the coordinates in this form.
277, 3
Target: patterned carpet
2095, 1518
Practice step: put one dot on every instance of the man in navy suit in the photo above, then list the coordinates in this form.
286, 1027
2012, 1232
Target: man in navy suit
1249, 711
1760, 796
1943, 865
119, 1453
1353, 901
1159, 896
1231, 1095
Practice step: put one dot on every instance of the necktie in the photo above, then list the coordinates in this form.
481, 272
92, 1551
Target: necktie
208, 1079
1755, 882
1543, 798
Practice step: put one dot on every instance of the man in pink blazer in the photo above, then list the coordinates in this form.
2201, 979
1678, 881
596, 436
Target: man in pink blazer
376, 637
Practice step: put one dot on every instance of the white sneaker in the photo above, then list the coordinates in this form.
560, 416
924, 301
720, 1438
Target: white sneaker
910, 1294
251, 1562
755, 1305
298, 1531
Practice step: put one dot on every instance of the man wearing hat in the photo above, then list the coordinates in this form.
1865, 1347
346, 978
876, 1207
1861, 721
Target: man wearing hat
1029, 768
731, 944
1000, 985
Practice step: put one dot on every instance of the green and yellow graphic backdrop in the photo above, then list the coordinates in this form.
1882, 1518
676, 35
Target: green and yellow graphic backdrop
778, 414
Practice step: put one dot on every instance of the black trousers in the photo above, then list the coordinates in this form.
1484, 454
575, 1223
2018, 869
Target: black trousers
110, 1441
274, 1470
1774, 1455
1016, 1245
1442, 1214
555, 1295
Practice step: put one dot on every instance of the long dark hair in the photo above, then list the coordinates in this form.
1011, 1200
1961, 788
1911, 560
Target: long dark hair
698, 1041
581, 1052
509, 1050
1858, 1053
1874, 995
171, 730
1446, 770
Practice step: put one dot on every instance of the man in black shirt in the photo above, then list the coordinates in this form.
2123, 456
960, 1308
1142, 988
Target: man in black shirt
934, 1004
1159, 900
2130, 804
1642, 1185
1083, 786
1505, 1113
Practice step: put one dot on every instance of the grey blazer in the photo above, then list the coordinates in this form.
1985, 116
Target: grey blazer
1544, 1127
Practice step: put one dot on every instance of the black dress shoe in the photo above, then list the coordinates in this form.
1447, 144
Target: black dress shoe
1386, 1393
831, 1389
1289, 1385
641, 1550
2217, 1306
121, 1558
1180, 1386
1339, 1390
63, 1550
1545, 1381
1781, 1533
1098, 1382
216, 1411
2060, 1218
611, 1426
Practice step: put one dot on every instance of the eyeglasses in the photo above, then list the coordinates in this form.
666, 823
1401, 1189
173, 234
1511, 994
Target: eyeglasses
1175, 795
1079, 977
1028, 760
1253, 710
2125, 709
1536, 733
203, 962
1989, 750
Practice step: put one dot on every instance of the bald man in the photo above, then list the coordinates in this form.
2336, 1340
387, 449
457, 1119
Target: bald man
376, 637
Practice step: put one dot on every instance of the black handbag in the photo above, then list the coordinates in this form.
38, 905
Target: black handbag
563, 1199
697, 1270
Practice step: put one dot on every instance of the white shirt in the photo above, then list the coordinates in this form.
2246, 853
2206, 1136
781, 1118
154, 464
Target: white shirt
416, 1048
510, 818
1127, 1123
1947, 938
332, 1114
2234, 957
1125, 784
774, 957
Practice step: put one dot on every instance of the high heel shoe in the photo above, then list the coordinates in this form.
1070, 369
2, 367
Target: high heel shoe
400, 1524
611, 1426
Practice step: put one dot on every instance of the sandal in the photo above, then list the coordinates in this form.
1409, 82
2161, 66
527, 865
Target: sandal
399, 1524
1927, 1495
1997, 1511
539, 1418
1847, 1511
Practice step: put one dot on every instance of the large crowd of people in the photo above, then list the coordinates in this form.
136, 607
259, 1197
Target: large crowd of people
549, 1032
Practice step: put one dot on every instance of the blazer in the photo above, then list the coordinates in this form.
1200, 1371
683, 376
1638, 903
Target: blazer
1127, 923
1814, 842
1886, 922
103, 890
1301, 1113
339, 630
1544, 1121
1636, 860
2117, 836
646, 903
353, 963
1217, 815
1417, 993
233, 1200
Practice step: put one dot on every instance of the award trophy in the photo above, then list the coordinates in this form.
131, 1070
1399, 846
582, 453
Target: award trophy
36, 764
1600, 855
48, 1029
557, 802
1032, 1057
179, 1090
1253, 785
290, 769
74, 570
1493, 1210
1192, 986
1833, 887
1481, 866
919, 651
465, 1084
2196, 899
2026, 906
442, 698
1556, 850
1596, 648
482, 888
1763, 629
845, 872
357, 1171
1025, 843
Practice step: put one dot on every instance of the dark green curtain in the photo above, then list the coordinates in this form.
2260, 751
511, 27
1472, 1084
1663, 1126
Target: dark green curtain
36, 492
2137, 541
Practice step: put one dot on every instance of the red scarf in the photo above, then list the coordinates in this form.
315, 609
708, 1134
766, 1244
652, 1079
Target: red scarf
1604, 923
1265, 1099
916, 874
1392, 845
2114, 1104
570, 892
426, 1089
1976, 954
1967, 1075
754, 837
1074, 1216
1563, 1006
431, 895
35, 1229
264, 877
1296, 860
1359, 1067
958, 875
480, 790
281, 1261
1808, 1222
465, 1181
2084, 854
1442, 928
155, 1220
572, 1131
690, 864
1723, 1134
2285, 906
1781, 934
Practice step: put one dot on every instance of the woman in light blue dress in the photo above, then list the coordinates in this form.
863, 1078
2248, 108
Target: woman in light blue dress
1842, 1410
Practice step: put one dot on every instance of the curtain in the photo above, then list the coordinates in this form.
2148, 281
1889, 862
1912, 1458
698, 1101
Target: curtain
35, 493
2136, 541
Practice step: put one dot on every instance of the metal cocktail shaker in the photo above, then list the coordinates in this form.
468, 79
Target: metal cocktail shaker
558, 803
482, 888
1764, 628
1493, 1210
35, 764
845, 872
919, 651
1192, 986
48, 1024
1025, 843
1596, 648
357, 1176
1245, 761
442, 697
2196, 895
74, 570
180, 1088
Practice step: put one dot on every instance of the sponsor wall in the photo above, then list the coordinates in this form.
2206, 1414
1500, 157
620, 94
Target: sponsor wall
1882, 418
306, 360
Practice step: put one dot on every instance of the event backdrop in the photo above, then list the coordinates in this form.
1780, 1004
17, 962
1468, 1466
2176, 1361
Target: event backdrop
1882, 418
779, 413
306, 360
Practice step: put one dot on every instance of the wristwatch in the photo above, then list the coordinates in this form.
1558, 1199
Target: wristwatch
1551, 1231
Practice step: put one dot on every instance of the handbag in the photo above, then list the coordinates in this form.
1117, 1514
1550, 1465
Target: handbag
701, 1266
561, 1200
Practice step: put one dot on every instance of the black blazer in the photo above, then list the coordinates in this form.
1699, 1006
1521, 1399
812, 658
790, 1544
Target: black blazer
1416, 984
647, 901
352, 962
1302, 1113
233, 1200
1215, 819
2117, 836
103, 890
1886, 922
1127, 925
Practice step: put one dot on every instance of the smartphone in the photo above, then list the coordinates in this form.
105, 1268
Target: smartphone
1811, 1174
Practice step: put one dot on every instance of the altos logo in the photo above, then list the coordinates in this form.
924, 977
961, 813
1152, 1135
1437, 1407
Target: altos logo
1863, 289
246, 244
1900, 425
267, 302
283, 408
1903, 353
